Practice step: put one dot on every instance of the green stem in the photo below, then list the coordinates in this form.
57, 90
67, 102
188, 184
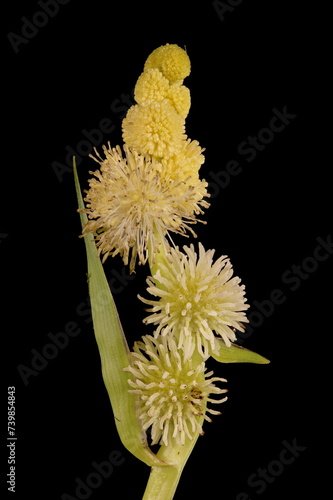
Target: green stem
163, 481
159, 254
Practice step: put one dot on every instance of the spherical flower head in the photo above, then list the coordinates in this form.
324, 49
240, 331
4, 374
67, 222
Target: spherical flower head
154, 128
173, 392
151, 86
171, 60
132, 203
195, 298
180, 98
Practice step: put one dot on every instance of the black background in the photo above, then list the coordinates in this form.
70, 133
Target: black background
69, 77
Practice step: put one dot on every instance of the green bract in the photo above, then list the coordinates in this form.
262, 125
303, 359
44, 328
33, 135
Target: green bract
114, 351
237, 354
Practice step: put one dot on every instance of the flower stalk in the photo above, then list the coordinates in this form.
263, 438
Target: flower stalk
163, 481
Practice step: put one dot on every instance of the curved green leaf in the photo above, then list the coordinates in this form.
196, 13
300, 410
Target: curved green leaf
237, 354
114, 351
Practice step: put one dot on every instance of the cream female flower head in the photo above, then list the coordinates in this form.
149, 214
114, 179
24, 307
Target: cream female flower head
133, 203
195, 298
173, 392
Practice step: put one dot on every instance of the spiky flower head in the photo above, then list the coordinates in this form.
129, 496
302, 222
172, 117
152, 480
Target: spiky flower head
171, 60
133, 203
173, 392
196, 298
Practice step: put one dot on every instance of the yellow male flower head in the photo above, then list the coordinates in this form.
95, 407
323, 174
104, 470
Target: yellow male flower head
173, 391
180, 98
171, 60
151, 86
186, 163
132, 203
135, 201
195, 298
154, 128
185, 166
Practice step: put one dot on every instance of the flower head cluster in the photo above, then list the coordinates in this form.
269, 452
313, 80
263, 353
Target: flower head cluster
156, 124
155, 188
195, 298
139, 196
173, 391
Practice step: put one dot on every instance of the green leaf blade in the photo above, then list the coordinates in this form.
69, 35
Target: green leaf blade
237, 354
114, 351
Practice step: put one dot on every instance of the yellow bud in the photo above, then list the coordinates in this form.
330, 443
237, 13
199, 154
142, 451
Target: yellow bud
171, 60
